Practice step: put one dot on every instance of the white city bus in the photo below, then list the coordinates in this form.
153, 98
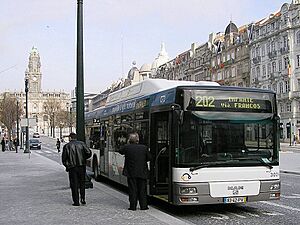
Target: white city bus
210, 144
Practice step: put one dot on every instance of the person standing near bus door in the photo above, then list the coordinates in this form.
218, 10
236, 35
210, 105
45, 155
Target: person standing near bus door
74, 156
58, 145
136, 170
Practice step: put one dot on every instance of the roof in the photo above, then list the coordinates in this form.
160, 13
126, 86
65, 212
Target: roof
151, 86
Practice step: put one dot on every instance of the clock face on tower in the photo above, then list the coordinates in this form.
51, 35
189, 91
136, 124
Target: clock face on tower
34, 78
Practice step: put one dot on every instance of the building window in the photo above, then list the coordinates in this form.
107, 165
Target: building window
253, 73
275, 87
258, 71
287, 86
268, 47
286, 62
257, 51
273, 67
280, 87
233, 72
285, 42
279, 65
298, 60
281, 108
264, 72
263, 50
269, 68
288, 107
253, 53
273, 46
298, 37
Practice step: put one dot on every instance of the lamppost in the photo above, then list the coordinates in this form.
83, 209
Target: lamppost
289, 125
17, 126
70, 128
26, 115
53, 126
79, 81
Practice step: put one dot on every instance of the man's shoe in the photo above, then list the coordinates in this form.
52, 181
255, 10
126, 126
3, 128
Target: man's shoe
75, 204
133, 209
82, 202
146, 208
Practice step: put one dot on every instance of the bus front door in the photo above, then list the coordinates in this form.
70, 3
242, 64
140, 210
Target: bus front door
159, 147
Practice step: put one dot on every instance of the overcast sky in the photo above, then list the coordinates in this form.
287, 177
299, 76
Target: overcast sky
50, 25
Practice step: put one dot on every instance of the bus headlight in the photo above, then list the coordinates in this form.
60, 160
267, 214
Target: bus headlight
188, 190
275, 187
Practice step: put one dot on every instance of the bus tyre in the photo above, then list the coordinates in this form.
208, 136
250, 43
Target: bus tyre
95, 170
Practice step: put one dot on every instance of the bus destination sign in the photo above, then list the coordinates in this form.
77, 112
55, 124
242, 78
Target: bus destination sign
229, 103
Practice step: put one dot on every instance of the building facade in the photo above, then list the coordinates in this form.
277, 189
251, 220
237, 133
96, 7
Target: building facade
38, 100
275, 63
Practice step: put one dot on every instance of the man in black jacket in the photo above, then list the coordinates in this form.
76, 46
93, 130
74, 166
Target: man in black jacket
74, 157
136, 170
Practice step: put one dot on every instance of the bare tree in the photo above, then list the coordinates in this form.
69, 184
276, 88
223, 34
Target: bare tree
62, 120
51, 107
9, 110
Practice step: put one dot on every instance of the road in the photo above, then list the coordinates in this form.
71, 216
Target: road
284, 211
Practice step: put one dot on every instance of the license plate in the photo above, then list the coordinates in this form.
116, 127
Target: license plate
235, 200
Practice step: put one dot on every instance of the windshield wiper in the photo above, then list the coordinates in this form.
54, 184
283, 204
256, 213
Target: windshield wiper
259, 160
205, 165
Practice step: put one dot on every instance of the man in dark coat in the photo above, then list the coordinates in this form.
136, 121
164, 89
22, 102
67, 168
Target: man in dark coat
136, 170
3, 145
74, 157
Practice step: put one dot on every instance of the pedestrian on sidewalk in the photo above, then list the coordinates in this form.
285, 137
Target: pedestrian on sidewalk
58, 145
3, 144
74, 156
136, 170
16, 144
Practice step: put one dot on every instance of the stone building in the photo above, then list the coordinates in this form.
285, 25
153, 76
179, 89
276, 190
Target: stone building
224, 58
230, 56
38, 100
275, 63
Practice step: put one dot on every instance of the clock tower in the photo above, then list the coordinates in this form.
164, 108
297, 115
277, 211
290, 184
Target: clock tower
33, 71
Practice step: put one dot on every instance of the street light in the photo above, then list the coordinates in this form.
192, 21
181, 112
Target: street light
17, 126
70, 128
26, 115
79, 81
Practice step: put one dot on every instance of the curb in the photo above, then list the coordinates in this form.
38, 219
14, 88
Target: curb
289, 172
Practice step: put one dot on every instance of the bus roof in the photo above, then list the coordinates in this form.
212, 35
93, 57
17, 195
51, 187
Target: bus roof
151, 86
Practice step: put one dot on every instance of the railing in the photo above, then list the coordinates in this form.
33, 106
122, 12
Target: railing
284, 50
272, 54
256, 59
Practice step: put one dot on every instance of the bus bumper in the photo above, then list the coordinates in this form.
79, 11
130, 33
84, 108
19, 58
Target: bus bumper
269, 190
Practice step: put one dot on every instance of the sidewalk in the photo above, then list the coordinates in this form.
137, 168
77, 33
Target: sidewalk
287, 147
289, 158
36, 191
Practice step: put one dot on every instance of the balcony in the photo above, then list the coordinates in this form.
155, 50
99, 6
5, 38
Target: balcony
283, 95
296, 94
272, 54
256, 59
284, 50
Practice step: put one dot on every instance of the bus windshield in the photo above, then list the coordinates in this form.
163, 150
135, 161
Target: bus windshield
226, 142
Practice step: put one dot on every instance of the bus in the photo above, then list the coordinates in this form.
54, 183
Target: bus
210, 144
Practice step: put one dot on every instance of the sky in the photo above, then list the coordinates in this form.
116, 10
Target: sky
116, 33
